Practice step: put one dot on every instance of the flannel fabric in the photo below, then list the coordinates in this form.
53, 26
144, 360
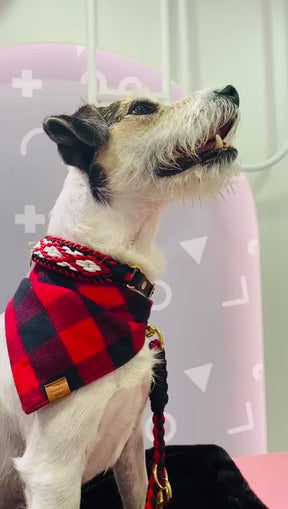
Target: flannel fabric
63, 333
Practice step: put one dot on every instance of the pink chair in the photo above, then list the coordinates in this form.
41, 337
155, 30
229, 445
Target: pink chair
267, 475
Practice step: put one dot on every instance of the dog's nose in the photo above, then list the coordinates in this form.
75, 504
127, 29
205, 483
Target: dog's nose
230, 92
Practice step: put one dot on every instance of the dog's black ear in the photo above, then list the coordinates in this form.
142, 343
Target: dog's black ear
78, 136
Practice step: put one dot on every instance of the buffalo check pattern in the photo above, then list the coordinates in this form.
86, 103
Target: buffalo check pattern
61, 328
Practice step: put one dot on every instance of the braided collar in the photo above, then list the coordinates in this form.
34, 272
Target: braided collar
85, 264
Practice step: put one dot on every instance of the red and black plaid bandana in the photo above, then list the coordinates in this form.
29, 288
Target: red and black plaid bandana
63, 333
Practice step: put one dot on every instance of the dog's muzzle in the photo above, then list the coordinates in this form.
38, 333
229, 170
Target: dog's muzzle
215, 151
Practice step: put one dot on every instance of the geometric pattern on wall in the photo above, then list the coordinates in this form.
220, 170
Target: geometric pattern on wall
208, 304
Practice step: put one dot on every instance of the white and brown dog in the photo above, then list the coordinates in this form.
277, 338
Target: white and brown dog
129, 160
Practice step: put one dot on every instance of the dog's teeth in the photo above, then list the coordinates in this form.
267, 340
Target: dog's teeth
218, 141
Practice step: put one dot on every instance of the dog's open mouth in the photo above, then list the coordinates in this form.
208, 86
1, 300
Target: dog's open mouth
215, 151
217, 141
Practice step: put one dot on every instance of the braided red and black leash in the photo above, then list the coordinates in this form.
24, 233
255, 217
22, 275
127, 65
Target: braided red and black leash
159, 490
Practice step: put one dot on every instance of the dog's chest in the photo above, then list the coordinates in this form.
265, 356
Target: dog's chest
120, 417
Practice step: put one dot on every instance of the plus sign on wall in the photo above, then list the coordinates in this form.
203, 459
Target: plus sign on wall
206, 305
29, 219
26, 83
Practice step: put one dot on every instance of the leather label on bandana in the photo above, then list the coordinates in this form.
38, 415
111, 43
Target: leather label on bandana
57, 389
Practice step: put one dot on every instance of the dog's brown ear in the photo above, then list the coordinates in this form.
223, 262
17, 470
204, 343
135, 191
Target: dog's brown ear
78, 137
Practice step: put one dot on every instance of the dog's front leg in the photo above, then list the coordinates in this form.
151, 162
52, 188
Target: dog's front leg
50, 484
130, 471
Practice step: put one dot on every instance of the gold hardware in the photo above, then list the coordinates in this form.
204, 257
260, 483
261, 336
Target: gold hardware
144, 284
160, 500
168, 492
151, 331
152, 292
164, 478
165, 487
136, 267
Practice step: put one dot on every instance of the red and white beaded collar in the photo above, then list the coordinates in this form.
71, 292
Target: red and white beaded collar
81, 262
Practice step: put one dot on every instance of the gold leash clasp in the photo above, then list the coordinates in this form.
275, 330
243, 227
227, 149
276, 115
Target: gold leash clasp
165, 491
152, 331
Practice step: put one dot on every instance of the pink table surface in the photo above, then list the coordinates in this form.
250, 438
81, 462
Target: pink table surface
268, 477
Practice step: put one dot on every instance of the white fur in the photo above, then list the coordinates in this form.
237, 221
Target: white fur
64, 444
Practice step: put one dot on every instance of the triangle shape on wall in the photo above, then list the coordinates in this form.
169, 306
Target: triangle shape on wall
200, 375
195, 247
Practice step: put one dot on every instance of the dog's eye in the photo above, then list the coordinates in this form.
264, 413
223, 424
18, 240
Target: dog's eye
142, 108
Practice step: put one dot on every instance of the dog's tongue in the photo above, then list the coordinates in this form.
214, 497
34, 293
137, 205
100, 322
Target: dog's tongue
212, 144
216, 141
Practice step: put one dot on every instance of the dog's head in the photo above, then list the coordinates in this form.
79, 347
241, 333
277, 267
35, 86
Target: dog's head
156, 149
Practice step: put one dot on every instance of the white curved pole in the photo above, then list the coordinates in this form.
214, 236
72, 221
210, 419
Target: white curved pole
91, 48
269, 162
165, 50
184, 47
278, 156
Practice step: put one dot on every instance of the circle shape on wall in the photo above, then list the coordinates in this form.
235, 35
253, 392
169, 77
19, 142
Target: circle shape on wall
168, 295
170, 428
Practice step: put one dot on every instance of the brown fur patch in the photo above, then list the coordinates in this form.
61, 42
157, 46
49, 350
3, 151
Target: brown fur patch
125, 134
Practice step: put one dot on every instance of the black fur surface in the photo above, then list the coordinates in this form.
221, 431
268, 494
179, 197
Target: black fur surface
207, 160
201, 476
111, 113
79, 137
98, 183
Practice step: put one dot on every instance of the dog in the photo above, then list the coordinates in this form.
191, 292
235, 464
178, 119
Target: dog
127, 162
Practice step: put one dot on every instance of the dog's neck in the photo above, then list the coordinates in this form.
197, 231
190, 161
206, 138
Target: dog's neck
125, 230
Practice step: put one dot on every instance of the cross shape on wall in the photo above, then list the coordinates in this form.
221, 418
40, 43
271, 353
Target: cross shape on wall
26, 83
30, 219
